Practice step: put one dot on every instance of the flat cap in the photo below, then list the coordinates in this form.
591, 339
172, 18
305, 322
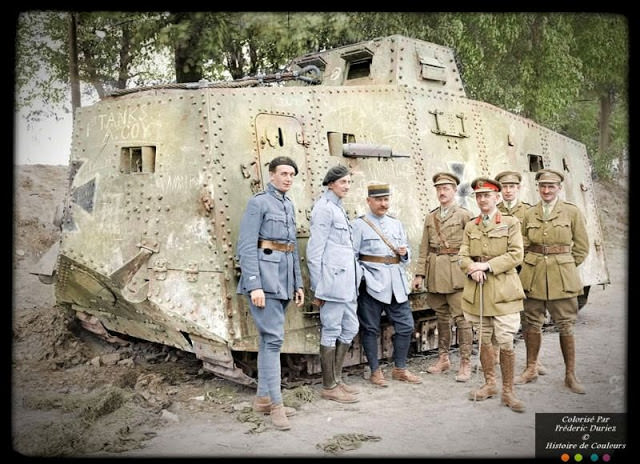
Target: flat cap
445, 178
549, 176
485, 184
378, 190
335, 173
509, 177
280, 160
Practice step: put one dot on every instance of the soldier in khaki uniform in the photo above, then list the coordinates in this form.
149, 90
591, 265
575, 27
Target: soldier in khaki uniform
437, 268
492, 298
513, 206
556, 242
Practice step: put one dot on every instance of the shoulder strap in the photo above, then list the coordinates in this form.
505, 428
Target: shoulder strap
377, 231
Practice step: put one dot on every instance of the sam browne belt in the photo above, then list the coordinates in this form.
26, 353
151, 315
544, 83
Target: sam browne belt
380, 259
269, 245
444, 251
549, 249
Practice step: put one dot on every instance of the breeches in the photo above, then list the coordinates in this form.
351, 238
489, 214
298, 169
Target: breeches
563, 312
447, 306
503, 327
339, 322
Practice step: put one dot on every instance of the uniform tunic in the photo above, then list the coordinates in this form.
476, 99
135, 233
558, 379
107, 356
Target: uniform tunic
330, 255
269, 215
382, 280
554, 276
500, 242
518, 210
442, 272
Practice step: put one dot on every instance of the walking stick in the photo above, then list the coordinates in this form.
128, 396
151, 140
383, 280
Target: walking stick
479, 331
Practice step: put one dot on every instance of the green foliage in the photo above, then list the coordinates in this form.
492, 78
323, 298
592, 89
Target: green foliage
539, 65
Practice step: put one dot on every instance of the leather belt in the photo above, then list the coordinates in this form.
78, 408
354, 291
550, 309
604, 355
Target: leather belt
380, 259
444, 251
549, 249
481, 259
284, 247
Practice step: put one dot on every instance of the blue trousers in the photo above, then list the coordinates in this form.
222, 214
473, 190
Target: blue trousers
370, 314
270, 324
339, 322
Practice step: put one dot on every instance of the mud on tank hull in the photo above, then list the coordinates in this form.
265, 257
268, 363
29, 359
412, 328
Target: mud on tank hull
161, 176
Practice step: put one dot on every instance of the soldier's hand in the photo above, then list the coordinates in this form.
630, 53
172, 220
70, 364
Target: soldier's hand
317, 302
299, 297
257, 298
478, 276
417, 282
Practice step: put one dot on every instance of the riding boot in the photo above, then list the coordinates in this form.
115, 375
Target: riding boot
532, 342
465, 335
568, 346
444, 340
341, 352
487, 360
330, 388
507, 364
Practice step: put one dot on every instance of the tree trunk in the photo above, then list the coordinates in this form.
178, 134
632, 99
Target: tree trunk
604, 118
74, 78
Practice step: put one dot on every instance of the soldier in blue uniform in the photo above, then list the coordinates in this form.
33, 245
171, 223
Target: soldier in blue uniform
380, 242
271, 277
334, 273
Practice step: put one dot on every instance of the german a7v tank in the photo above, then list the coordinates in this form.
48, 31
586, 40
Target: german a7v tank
160, 177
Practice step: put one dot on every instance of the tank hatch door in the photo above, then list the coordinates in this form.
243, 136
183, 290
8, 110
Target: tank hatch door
432, 69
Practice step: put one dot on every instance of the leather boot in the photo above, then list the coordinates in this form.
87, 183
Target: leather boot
279, 418
496, 350
507, 364
341, 352
568, 347
262, 404
541, 369
532, 341
377, 378
405, 375
444, 340
330, 388
466, 338
489, 389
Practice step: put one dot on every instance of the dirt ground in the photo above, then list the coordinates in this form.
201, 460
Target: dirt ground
74, 395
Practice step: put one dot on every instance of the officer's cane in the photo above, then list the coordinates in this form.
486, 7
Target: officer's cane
480, 330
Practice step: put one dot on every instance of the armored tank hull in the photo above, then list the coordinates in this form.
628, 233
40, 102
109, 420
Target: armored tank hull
160, 176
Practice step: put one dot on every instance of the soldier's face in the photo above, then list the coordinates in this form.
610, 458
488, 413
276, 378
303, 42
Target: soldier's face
510, 191
282, 177
446, 193
487, 201
378, 205
341, 186
549, 191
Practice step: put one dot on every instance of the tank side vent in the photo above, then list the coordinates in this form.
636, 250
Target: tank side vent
314, 60
535, 163
432, 69
359, 62
138, 160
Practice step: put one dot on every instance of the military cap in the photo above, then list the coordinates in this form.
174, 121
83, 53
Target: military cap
485, 184
378, 190
549, 176
445, 178
509, 177
335, 173
280, 160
